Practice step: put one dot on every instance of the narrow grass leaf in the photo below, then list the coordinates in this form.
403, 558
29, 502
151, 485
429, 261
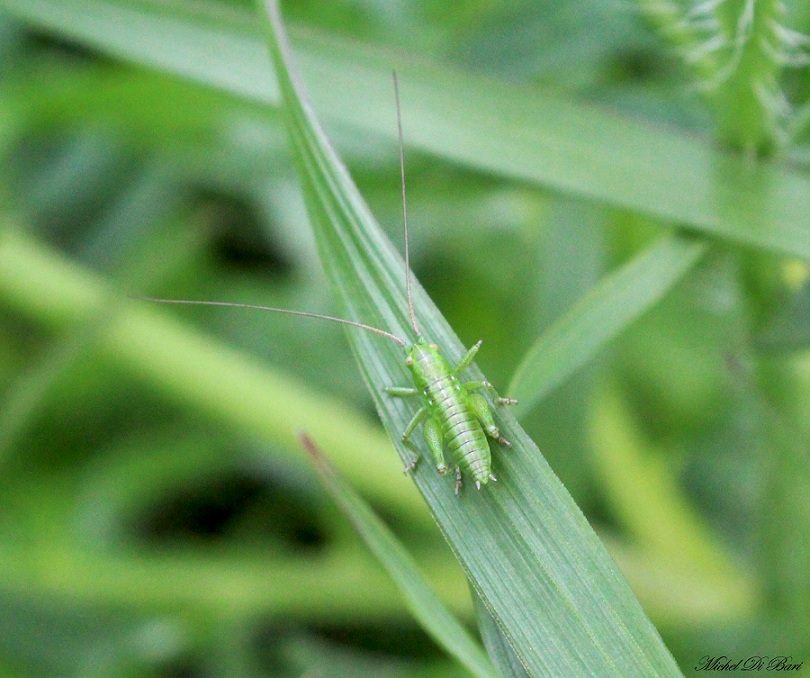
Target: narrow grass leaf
527, 549
601, 315
424, 604
489, 125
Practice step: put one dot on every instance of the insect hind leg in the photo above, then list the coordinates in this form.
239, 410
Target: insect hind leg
481, 410
417, 418
432, 431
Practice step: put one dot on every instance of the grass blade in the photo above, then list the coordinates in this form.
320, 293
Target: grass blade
426, 607
601, 315
502, 654
527, 549
585, 151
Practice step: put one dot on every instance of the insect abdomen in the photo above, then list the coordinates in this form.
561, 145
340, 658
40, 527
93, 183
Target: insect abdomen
465, 439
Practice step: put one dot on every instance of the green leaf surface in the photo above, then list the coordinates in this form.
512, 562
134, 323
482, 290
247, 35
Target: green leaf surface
502, 654
600, 315
521, 132
420, 598
527, 549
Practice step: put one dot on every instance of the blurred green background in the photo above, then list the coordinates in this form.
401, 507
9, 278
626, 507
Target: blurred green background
148, 528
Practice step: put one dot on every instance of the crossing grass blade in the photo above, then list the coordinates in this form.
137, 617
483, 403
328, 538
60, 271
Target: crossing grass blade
445, 629
491, 126
599, 316
526, 548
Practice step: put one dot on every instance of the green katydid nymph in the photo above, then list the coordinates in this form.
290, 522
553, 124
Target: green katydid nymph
453, 415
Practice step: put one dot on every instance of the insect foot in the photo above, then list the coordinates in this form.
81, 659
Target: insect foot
410, 466
495, 433
506, 401
458, 480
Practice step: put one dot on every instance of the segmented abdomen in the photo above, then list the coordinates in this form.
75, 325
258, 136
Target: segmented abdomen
465, 439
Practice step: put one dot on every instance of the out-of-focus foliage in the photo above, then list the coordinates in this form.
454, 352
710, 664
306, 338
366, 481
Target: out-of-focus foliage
149, 525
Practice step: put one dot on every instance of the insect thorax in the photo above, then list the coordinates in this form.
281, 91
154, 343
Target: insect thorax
427, 364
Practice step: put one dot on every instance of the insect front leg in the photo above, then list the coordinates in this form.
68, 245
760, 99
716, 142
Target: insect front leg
477, 385
408, 392
481, 410
401, 391
467, 359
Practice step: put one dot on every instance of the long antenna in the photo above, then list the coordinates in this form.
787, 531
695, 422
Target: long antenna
405, 212
306, 314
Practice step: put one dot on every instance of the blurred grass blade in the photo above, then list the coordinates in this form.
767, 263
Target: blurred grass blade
527, 549
788, 328
24, 399
477, 121
197, 371
151, 197
599, 316
425, 606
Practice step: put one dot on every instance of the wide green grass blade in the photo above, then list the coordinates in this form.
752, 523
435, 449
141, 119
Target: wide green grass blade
527, 549
520, 132
599, 316
500, 651
424, 604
